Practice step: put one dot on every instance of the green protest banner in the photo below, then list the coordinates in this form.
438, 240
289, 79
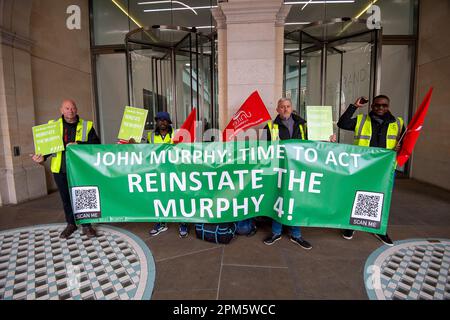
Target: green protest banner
320, 122
133, 122
302, 183
47, 139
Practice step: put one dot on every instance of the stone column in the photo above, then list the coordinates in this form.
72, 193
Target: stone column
20, 178
430, 162
221, 66
250, 50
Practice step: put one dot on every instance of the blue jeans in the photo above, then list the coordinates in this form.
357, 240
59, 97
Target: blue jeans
277, 228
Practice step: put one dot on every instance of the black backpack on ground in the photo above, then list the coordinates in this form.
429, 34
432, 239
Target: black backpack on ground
221, 233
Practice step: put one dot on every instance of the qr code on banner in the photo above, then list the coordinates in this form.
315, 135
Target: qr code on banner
85, 199
368, 205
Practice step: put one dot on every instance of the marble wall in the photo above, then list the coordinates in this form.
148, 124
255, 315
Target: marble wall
42, 62
250, 51
20, 178
431, 158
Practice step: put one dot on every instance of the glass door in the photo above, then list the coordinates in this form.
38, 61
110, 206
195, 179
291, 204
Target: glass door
338, 62
172, 69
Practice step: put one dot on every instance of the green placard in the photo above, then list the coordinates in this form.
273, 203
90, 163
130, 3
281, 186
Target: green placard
47, 138
133, 123
298, 183
320, 122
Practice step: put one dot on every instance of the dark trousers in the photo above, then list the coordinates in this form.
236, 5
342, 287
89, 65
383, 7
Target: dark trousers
63, 187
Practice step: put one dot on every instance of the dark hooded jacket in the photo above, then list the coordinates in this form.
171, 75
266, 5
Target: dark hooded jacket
379, 125
284, 131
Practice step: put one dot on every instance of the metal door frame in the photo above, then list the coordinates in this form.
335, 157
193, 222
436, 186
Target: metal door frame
172, 51
324, 46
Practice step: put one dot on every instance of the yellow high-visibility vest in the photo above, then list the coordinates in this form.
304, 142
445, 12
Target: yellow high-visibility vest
274, 131
363, 131
156, 138
83, 129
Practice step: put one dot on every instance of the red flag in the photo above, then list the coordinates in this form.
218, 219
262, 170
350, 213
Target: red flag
187, 130
251, 113
413, 130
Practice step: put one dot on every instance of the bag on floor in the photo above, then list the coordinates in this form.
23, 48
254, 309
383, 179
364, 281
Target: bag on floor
244, 227
218, 233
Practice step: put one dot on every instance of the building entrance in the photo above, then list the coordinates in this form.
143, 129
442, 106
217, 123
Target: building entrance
332, 63
172, 69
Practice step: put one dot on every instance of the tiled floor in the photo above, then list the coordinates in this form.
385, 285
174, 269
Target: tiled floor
413, 269
36, 264
247, 269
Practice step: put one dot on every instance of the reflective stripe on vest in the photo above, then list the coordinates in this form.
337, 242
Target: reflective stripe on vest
156, 138
274, 131
363, 131
82, 132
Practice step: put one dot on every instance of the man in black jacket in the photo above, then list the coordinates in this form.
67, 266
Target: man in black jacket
73, 131
377, 129
286, 125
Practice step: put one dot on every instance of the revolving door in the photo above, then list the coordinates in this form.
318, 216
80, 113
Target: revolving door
172, 69
332, 63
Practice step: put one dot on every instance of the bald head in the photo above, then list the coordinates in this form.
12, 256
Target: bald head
69, 110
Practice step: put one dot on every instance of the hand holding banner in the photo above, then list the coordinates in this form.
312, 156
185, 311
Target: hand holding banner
319, 122
297, 183
47, 138
133, 123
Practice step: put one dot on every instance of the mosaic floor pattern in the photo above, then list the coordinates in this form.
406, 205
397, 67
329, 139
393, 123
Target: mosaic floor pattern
416, 269
36, 264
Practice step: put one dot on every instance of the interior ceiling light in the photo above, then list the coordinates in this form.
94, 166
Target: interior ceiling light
132, 19
166, 1
178, 9
186, 7
319, 2
306, 5
204, 27
358, 15
365, 9
295, 23
126, 13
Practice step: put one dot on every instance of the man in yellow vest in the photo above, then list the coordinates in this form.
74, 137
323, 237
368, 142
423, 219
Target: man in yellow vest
377, 129
74, 130
164, 133
286, 125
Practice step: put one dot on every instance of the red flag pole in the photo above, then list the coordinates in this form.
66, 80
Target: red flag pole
251, 113
403, 135
188, 127
413, 128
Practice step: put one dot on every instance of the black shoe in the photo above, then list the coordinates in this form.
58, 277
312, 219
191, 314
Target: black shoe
67, 232
252, 232
385, 239
272, 239
348, 234
302, 243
